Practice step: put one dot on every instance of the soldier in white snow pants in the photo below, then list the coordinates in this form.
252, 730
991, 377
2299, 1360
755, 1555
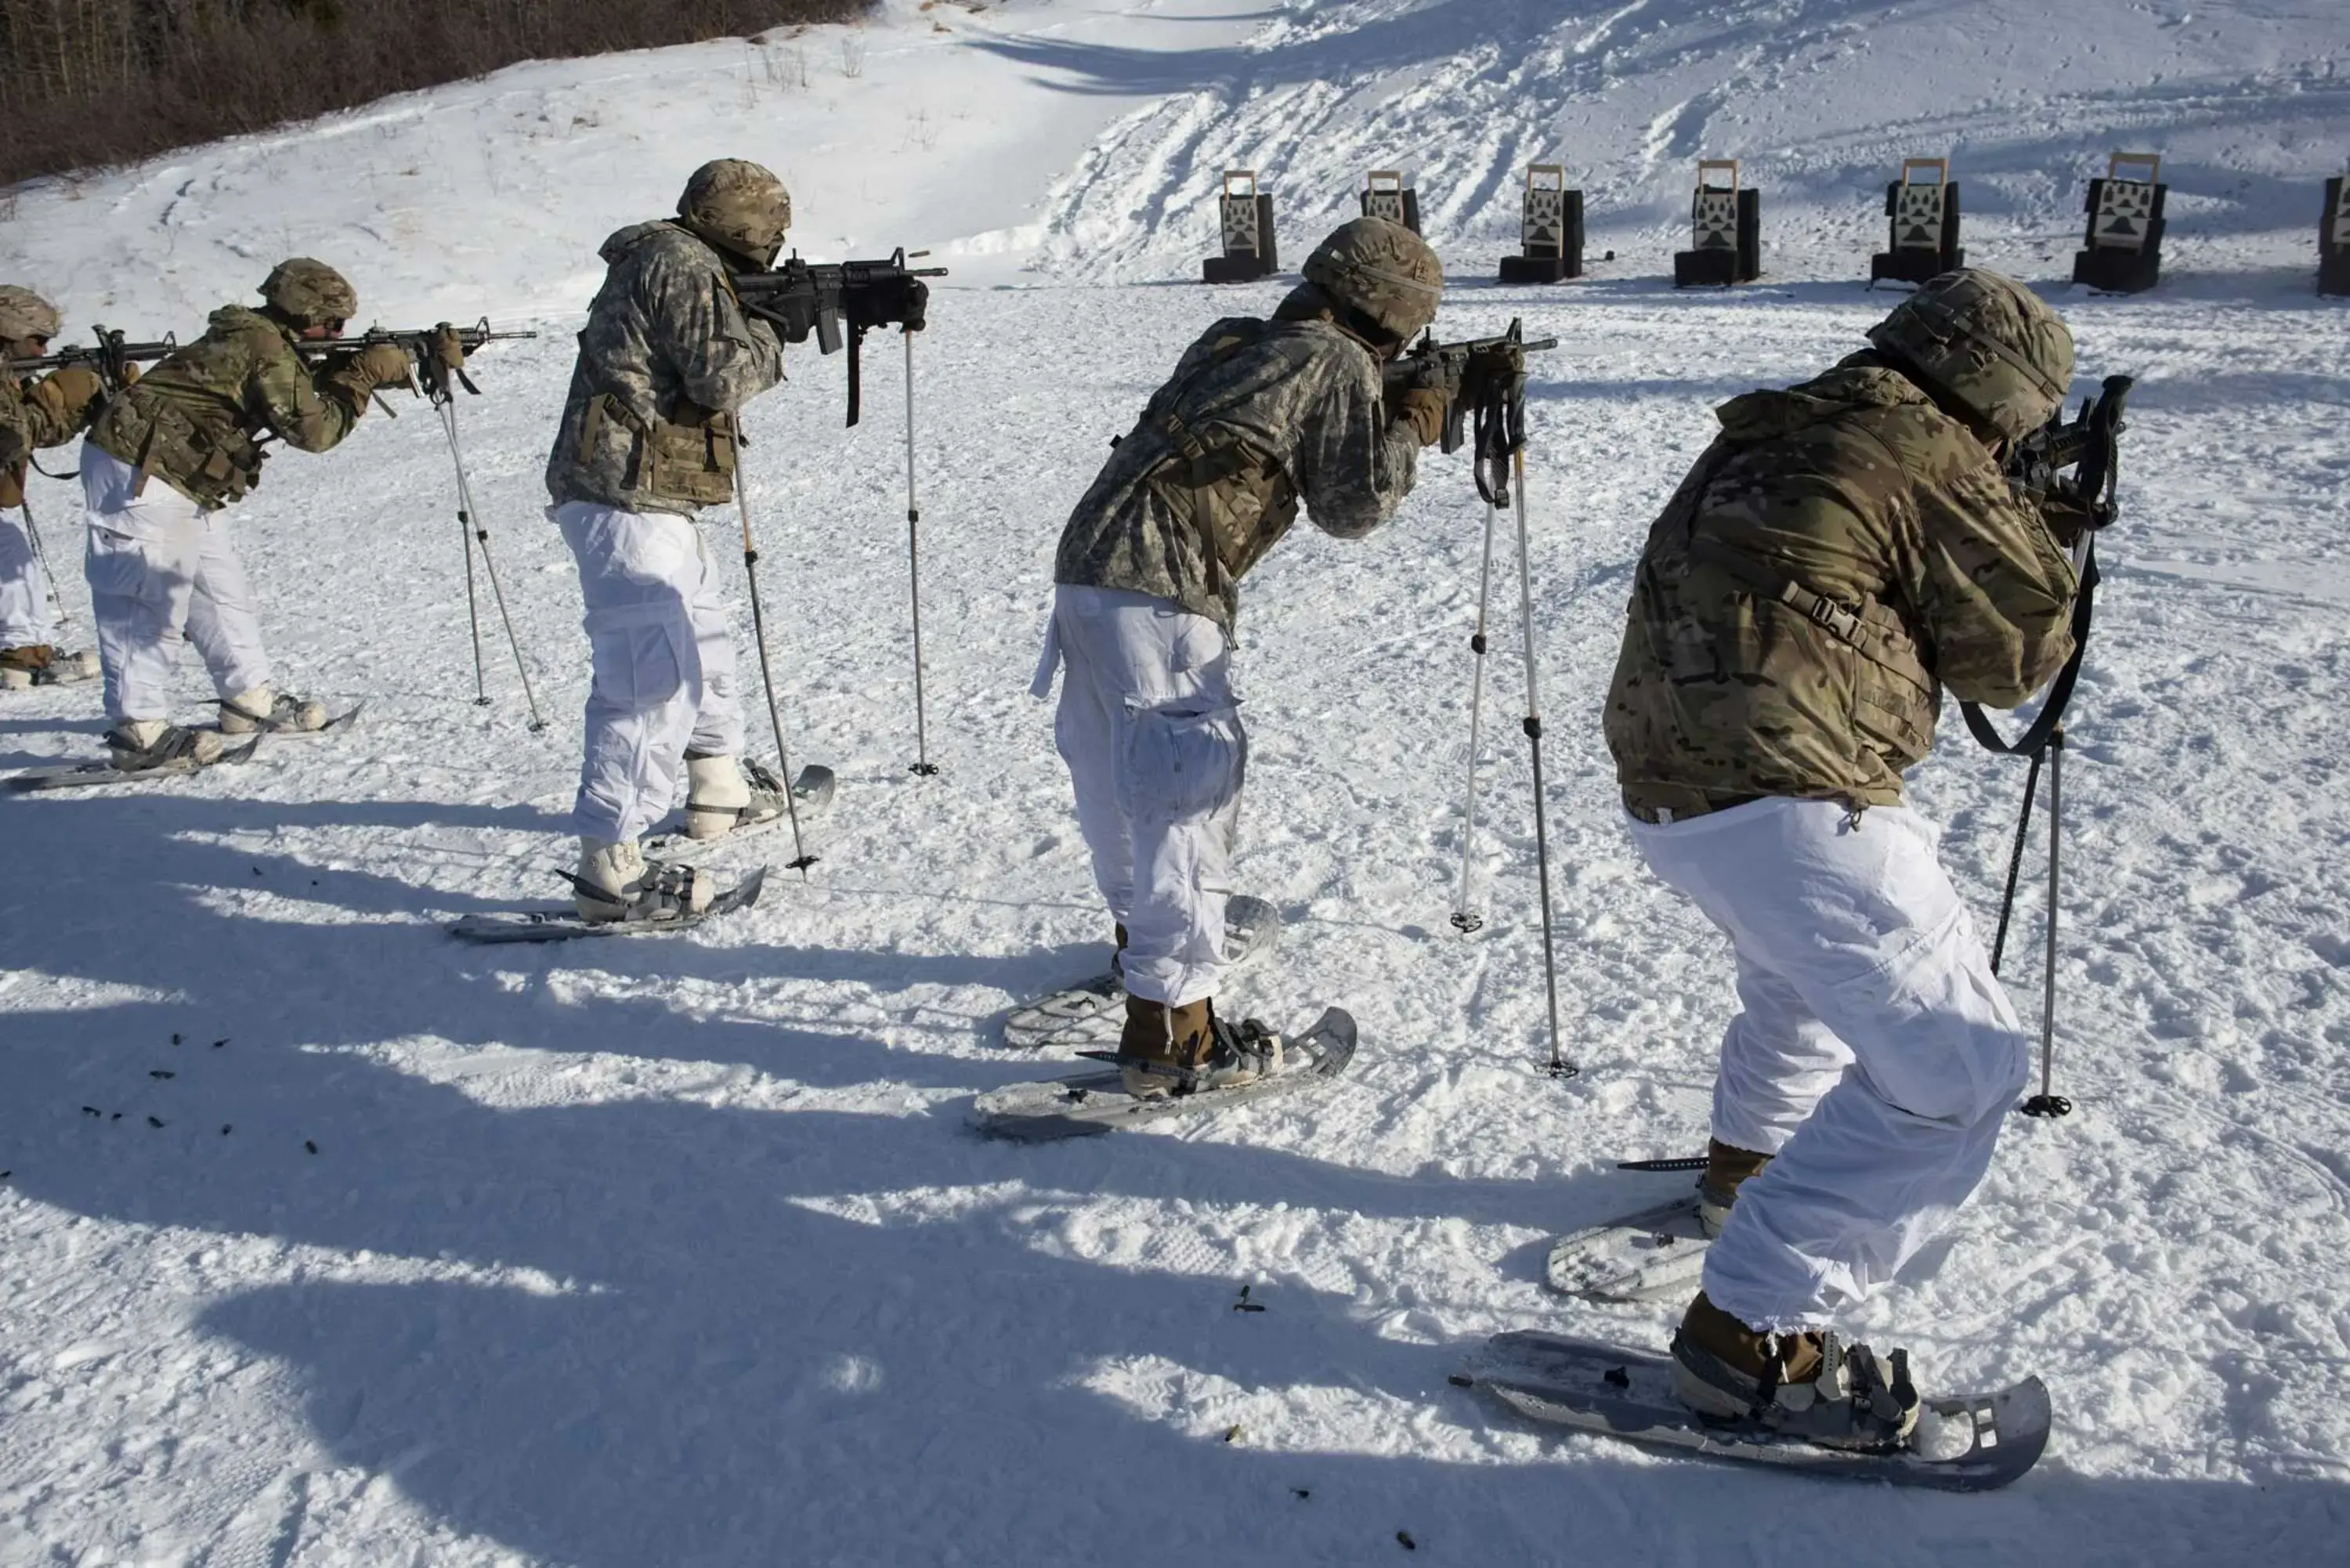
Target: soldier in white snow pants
664, 664
1875, 1055
24, 618
1152, 733
162, 574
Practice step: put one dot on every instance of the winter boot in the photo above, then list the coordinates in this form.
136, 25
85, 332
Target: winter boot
724, 793
616, 882
262, 709
1811, 1385
1184, 1050
1727, 1167
142, 746
38, 664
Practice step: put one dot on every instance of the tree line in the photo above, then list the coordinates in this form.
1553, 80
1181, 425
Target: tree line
88, 83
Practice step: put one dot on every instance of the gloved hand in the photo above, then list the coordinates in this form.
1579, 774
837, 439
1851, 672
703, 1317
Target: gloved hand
131, 373
1423, 409
73, 396
445, 347
12, 485
380, 364
2069, 515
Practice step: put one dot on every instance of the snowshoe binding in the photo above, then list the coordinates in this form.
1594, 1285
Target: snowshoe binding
153, 746
38, 664
262, 713
1811, 1386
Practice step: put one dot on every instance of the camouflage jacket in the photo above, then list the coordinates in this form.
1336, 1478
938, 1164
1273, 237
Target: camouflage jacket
1257, 415
666, 359
1842, 551
35, 414
196, 419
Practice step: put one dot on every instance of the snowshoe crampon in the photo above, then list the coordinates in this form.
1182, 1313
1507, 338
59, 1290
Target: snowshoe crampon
1090, 1103
1974, 1442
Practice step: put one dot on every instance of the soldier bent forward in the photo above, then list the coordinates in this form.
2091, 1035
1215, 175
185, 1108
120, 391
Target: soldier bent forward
1259, 416
1843, 552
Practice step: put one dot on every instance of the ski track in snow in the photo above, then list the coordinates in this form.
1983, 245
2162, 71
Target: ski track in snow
677, 1252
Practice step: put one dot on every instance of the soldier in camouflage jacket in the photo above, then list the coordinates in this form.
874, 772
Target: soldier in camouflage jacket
40, 413
163, 463
1845, 550
648, 439
1259, 418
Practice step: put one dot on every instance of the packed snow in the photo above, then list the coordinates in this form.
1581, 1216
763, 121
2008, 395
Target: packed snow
326, 1241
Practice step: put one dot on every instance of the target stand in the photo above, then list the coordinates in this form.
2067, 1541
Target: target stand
1550, 231
2123, 252
1244, 218
1385, 195
2334, 239
1726, 230
1922, 212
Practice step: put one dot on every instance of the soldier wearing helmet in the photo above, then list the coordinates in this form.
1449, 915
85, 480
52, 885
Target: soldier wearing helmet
1259, 416
1844, 552
35, 413
164, 461
648, 439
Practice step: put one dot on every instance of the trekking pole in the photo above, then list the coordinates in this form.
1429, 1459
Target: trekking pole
1465, 919
922, 766
473, 603
2045, 1103
469, 516
801, 858
1558, 1066
41, 553
2015, 859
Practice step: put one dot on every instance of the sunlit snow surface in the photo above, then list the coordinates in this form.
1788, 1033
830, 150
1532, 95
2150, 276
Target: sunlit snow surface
676, 1251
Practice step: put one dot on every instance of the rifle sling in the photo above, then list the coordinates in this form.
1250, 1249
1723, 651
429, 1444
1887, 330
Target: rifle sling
2051, 717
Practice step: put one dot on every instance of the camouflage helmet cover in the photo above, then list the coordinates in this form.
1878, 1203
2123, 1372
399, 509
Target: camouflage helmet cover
24, 314
1988, 343
1381, 271
739, 207
310, 293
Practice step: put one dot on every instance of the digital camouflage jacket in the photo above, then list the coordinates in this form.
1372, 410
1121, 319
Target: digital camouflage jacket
1840, 554
1258, 415
35, 414
196, 419
666, 359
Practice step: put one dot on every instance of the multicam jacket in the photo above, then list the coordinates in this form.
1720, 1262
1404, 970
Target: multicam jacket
666, 359
35, 414
196, 419
1257, 415
1840, 554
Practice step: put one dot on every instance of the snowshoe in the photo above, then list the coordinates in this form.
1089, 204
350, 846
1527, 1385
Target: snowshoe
251, 713
1088, 1013
21, 668
555, 925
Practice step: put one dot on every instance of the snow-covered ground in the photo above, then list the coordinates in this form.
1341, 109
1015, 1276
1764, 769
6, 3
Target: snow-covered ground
676, 1251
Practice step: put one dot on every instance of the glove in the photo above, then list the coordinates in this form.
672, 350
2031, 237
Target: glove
1423, 409
445, 347
73, 396
12, 485
360, 373
131, 373
2069, 516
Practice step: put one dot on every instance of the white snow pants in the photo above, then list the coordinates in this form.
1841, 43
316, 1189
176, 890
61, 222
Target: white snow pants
1876, 1054
1152, 733
664, 664
24, 618
162, 574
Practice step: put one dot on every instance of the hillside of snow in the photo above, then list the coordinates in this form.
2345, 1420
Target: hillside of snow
326, 1241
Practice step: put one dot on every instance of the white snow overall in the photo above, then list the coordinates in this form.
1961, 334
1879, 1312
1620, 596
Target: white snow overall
1152, 733
664, 664
1875, 1053
162, 574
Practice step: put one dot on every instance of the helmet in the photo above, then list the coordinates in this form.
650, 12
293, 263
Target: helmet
1985, 342
310, 293
1381, 271
737, 206
24, 314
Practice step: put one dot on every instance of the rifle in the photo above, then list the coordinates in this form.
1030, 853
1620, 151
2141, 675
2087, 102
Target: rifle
417, 342
2090, 444
801, 297
110, 356
1486, 375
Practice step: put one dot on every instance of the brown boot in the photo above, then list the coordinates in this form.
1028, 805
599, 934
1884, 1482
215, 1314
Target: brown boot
1727, 1169
1810, 1384
23, 667
1184, 1050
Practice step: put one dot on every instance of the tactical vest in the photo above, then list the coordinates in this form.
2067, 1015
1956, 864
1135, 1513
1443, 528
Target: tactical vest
1237, 500
689, 459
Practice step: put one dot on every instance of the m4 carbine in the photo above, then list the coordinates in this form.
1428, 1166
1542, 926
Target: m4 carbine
2089, 445
801, 297
110, 358
1486, 375
417, 342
